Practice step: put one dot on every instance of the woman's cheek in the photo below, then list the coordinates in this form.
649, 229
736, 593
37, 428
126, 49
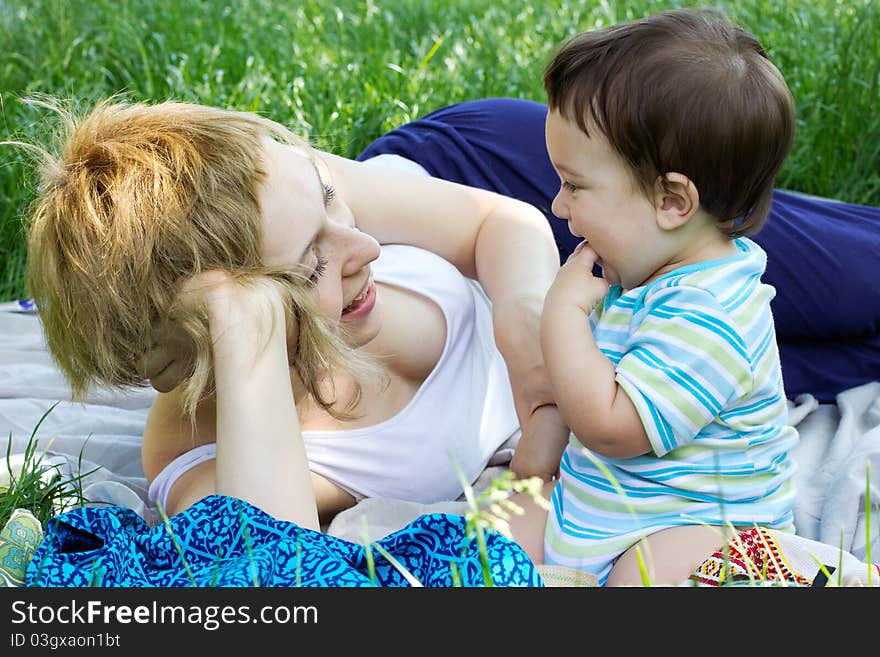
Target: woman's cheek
329, 305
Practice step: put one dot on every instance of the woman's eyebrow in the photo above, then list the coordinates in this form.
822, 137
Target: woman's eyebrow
318, 174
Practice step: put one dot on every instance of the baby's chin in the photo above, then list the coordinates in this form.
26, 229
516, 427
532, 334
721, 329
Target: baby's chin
608, 274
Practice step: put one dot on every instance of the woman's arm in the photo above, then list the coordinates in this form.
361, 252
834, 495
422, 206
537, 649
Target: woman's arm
480, 232
260, 453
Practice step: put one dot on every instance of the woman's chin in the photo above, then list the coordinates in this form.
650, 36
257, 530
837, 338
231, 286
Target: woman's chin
362, 332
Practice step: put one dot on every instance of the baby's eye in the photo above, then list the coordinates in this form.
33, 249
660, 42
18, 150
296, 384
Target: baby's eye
567, 186
329, 194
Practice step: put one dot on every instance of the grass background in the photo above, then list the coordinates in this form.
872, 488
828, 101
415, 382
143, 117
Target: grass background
343, 73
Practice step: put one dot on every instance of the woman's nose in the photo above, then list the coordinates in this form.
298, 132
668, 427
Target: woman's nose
361, 250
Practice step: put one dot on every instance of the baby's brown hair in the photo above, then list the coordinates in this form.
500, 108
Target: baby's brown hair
683, 91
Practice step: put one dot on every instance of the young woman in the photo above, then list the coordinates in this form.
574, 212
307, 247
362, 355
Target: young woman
401, 286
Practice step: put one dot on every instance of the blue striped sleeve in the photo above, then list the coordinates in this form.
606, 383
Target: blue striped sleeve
683, 363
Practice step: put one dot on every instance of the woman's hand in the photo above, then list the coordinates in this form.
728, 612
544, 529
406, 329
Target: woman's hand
545, 432
170, 359
540, 448
172, 355
250, 305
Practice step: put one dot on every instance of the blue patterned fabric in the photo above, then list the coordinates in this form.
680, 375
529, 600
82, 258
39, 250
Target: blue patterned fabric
224, 541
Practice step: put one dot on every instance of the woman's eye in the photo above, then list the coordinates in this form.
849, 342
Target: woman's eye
320, 267
329, 194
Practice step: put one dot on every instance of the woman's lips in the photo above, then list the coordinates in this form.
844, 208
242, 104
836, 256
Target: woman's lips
363, 306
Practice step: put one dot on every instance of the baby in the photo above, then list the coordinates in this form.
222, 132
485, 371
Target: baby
666, 133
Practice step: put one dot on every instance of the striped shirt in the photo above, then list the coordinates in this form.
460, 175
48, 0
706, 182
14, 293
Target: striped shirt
696, 352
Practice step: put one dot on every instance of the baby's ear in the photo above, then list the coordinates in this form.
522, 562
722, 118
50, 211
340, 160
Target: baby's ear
676, 199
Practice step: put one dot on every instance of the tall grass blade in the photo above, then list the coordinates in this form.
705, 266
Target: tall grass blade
166, 523
408, 576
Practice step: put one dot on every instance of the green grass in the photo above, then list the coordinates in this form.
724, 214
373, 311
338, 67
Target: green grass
37, 486
343, 73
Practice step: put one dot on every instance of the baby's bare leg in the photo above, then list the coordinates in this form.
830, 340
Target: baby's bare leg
528, 528
670, 555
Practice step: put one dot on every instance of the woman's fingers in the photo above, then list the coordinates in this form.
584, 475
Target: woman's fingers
165, 366
170, 377
153, 362
170, 359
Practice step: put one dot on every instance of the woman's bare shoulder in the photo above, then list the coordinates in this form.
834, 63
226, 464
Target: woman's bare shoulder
168, 433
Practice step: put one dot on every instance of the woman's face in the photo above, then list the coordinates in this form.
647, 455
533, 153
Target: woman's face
305, 222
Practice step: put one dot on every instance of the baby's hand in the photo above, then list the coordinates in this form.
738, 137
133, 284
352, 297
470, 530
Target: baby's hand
575, 282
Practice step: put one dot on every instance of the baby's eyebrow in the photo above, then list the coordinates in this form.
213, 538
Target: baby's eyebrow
561, 168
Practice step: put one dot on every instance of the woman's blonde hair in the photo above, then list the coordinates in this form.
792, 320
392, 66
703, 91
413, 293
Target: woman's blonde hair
141, 198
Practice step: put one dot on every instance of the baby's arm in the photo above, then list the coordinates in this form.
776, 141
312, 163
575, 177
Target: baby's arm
591, 402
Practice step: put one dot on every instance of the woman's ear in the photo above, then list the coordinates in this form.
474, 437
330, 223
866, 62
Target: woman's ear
676, 199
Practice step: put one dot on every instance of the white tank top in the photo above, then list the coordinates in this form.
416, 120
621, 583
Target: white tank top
461, 413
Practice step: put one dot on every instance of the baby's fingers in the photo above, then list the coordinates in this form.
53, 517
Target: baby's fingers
584, 255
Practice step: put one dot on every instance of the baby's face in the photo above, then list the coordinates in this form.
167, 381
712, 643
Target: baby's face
603, 204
